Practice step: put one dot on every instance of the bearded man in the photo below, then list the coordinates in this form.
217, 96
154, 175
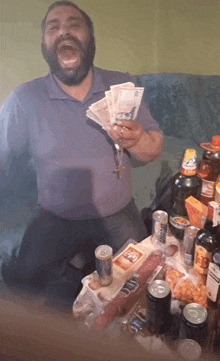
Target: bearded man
82, 203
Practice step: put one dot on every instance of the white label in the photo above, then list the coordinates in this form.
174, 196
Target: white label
213, 281
208, 188
189, 259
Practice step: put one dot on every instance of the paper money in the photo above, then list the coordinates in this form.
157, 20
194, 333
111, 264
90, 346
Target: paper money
128, 103
100, 109
122, 101
92, 116
115, 89
109, 99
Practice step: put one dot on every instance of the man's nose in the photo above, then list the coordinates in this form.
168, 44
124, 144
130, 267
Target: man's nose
64, 30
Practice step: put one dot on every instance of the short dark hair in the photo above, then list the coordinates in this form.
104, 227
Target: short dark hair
89, 22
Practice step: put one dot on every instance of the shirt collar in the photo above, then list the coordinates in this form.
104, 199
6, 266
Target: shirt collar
55, 92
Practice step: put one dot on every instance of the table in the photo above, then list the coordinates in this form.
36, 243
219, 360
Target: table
93, 298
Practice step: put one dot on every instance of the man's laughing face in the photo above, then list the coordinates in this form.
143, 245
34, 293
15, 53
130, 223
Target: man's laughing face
67, 46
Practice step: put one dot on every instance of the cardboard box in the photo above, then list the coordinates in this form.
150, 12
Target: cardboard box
197, 212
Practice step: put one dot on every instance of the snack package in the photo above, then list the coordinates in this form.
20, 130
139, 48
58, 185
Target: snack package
186, 287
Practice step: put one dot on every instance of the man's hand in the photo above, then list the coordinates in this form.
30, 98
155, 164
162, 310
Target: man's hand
127, 132
143, 146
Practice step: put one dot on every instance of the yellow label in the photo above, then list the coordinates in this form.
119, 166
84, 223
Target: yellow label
202, 259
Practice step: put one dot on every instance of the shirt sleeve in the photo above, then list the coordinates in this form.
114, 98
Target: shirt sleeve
13, 130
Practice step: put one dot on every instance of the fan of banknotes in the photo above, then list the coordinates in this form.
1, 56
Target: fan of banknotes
122, 101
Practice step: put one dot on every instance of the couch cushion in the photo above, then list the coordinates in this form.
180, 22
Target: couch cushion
186, 106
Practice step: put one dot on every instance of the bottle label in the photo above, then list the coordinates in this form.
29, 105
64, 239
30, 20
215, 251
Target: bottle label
189, 167
213, 282
188, 259
202, 259
179, 222
208, 188
217, 192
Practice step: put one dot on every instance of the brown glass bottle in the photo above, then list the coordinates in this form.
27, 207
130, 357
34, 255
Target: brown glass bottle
205, 245
185, 183
209, 169
211, 223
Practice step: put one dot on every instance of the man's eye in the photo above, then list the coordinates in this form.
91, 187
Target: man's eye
75, 24
52, 28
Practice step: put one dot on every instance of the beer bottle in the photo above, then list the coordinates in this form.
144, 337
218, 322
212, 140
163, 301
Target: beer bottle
209, 169
205, 244
211, 223
185, 183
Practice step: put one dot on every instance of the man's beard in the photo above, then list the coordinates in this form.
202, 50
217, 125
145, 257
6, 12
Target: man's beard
70, 76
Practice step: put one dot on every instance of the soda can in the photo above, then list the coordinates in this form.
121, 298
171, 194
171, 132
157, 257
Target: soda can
159, 301
189, 350
103, 255
188, 247
159, 226
194, 323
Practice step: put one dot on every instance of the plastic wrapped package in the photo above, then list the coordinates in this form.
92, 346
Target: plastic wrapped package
186, 287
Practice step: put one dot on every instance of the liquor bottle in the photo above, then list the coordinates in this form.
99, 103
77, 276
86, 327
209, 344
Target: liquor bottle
217, 190
185, 183
213, 280
205, 245
209, 169
211, 223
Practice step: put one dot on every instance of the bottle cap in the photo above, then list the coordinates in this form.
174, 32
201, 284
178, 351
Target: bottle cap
214, 146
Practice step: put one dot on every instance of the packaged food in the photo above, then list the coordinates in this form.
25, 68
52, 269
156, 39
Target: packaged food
130, 292
127, 261
187, 287
197, 212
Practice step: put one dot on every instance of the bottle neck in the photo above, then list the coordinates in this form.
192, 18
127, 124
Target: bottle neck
188, 172
189, 166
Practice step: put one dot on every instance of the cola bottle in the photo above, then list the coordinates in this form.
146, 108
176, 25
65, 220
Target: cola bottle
209, 169
185, 183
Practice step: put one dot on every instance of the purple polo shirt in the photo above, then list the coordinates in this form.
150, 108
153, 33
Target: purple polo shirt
72, 155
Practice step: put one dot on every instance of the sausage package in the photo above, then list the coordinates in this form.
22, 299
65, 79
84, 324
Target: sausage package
130, 292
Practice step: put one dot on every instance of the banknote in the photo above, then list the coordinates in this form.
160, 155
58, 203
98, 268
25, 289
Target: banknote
92, 116
128, 103
100, 109
115, 89
108, 95
122, 101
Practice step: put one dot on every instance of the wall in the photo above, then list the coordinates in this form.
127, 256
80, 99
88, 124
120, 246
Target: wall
139, 36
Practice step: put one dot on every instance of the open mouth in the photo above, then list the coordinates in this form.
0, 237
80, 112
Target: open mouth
68, 53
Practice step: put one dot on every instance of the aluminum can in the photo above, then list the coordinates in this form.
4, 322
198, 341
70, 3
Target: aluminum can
159, 226
194, 323
189, 350
103, 255
159, 301
188, 247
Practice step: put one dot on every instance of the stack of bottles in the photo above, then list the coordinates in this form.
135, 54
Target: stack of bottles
198, 187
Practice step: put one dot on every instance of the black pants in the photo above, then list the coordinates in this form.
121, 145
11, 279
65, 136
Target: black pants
50, 242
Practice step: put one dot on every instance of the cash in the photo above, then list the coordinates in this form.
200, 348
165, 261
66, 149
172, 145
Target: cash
122, 101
